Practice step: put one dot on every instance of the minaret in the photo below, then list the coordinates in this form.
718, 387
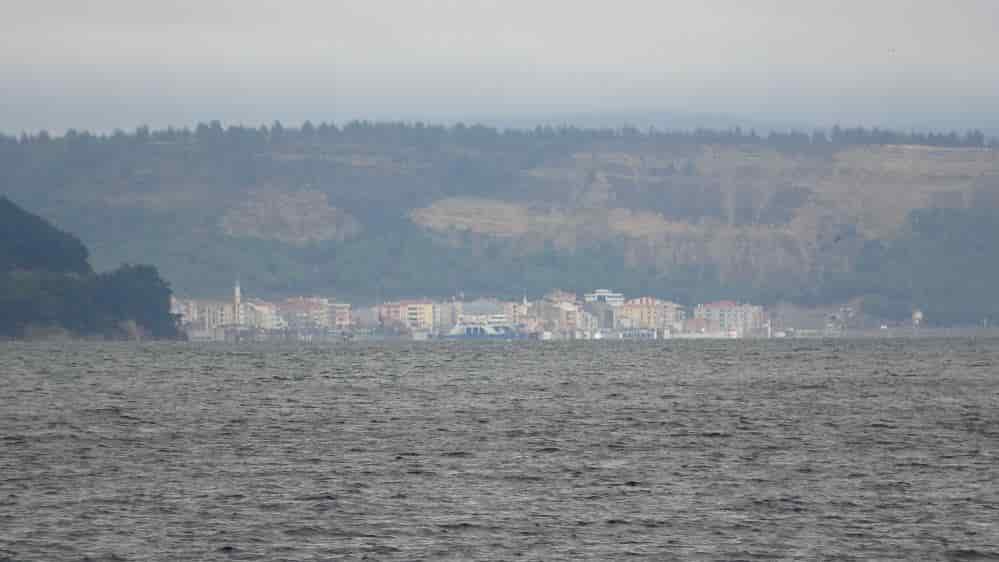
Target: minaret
237, 308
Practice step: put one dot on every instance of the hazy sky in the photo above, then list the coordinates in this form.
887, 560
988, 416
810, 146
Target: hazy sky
119, 63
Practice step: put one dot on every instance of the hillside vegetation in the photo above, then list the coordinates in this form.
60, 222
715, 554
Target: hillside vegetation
385, 209
29, 243
47, 286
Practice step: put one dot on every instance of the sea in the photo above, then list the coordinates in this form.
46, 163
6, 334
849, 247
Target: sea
665, 450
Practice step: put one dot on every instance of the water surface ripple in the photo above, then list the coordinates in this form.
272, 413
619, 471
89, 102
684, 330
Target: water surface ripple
737, 450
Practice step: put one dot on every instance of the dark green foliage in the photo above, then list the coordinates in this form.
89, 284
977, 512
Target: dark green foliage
946, 264
93, 305
46, 283
96, 305
949, 261
136, 293
27, 242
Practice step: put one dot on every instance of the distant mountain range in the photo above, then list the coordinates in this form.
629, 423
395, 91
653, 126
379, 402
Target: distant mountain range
889, 221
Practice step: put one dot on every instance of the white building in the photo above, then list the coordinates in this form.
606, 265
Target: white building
587, 325
341, 317
517, 312
262, 315
237, 308
604, 296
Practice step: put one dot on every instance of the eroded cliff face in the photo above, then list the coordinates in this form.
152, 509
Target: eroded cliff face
296, 217
753, 214
753, 253
873, 186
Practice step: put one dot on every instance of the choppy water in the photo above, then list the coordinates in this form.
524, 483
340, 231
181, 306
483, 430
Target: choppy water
687, 451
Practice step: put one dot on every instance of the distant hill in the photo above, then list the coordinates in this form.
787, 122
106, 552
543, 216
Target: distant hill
367, 210
47, 286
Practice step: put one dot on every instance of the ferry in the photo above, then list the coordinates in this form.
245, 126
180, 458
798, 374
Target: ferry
482, 332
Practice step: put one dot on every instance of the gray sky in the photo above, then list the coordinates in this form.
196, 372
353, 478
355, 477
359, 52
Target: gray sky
119, 63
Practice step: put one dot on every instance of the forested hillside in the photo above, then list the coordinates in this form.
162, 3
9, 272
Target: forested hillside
363, 210
47, 285
27, 243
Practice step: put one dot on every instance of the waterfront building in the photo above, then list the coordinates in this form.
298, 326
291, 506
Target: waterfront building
262, 315
340, 315
731, 318
517, 312
587, 325
605, 314
641, 313
391, 314
415, 314
419, 314
671, 317
446, 315
306, 313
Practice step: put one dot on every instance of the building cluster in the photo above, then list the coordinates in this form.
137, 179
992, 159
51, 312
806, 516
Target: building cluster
299, 317
559, 315
562, 315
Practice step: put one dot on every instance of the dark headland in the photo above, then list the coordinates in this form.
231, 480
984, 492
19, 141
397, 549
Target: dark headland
48, 288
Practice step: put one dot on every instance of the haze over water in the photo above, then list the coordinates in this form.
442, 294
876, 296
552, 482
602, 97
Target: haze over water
751, 450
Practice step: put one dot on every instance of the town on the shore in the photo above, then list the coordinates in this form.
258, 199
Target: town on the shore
558, 315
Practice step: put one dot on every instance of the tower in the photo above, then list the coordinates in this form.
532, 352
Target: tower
237, 307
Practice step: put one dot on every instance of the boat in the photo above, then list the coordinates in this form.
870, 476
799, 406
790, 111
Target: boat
482, 332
